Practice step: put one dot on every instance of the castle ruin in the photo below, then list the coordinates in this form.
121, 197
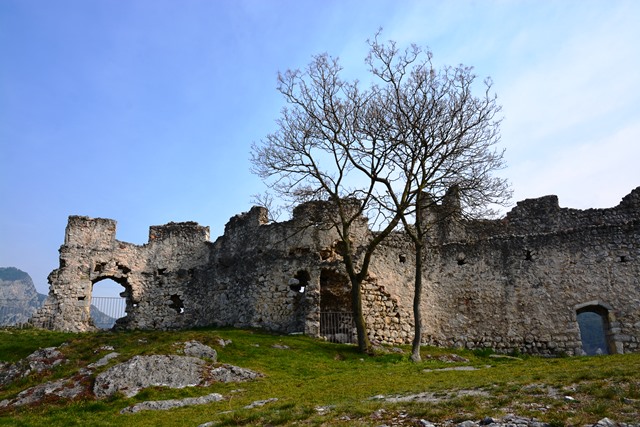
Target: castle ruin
520, 283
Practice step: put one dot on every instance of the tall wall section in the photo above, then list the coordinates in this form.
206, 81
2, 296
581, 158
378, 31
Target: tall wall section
519, 283
289, 277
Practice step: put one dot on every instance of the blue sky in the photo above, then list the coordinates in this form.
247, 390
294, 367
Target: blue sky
144, 111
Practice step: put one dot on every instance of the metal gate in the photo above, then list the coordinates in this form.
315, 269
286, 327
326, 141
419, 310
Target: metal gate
338, 327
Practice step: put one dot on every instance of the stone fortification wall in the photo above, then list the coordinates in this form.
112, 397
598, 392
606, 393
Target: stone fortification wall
514, 284
255, 275
523, 292
279, 276
158, 278
519, 283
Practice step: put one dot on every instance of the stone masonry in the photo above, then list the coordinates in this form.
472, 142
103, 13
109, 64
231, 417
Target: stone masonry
514, 284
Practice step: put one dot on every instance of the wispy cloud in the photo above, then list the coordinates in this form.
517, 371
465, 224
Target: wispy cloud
590, 75
596, 173
572, 113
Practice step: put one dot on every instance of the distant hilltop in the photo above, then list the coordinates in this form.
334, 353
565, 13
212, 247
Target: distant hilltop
17, 284
18, 296
11, 274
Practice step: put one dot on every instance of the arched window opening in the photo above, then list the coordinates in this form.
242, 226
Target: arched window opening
107, 303
593, 322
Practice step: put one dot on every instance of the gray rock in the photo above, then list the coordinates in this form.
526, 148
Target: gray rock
38, 361
68, 388
606, 422
454, 368
163, 405
259, 403
145, 371
197, 349
512, 419
322, 410
229, 373
224, 343
487, 421
9, 372
44, 358
103, 361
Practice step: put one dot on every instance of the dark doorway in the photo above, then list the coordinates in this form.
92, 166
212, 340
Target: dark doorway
594, 330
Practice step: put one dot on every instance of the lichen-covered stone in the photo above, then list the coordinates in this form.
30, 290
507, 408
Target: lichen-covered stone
232, 374
141, 372
197, 349
38, 361
163, 405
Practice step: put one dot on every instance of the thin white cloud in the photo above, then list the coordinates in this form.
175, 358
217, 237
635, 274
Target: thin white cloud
571, 110
591, 74
595, 174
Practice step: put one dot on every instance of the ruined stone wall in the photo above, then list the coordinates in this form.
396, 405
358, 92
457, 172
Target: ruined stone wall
522, 292
515, 284
158, 278
255, 275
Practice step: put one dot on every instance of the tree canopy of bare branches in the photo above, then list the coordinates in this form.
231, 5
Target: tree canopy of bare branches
445, 141
412, 130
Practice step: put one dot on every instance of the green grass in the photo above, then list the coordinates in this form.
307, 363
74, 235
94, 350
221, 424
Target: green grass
312, 374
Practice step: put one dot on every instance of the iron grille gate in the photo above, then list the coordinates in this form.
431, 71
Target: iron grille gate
338, 327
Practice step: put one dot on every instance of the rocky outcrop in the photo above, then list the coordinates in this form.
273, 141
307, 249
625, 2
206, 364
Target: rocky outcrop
46, 359
18, 296
36, 362
141, 372
197, 349
232, 374
163, 405
128, 377
65, 388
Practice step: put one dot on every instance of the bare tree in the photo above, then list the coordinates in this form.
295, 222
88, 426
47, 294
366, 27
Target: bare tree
321, 152
413, 130
446, 144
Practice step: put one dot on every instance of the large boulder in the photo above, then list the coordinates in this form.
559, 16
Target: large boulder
146, 371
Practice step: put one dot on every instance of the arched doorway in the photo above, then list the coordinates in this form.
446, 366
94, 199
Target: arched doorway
107, 303
593, 321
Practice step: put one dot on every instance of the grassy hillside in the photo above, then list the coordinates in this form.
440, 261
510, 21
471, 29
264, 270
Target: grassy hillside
318, 383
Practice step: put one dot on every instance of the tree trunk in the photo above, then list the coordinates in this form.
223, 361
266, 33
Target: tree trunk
417, 296
364, 345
